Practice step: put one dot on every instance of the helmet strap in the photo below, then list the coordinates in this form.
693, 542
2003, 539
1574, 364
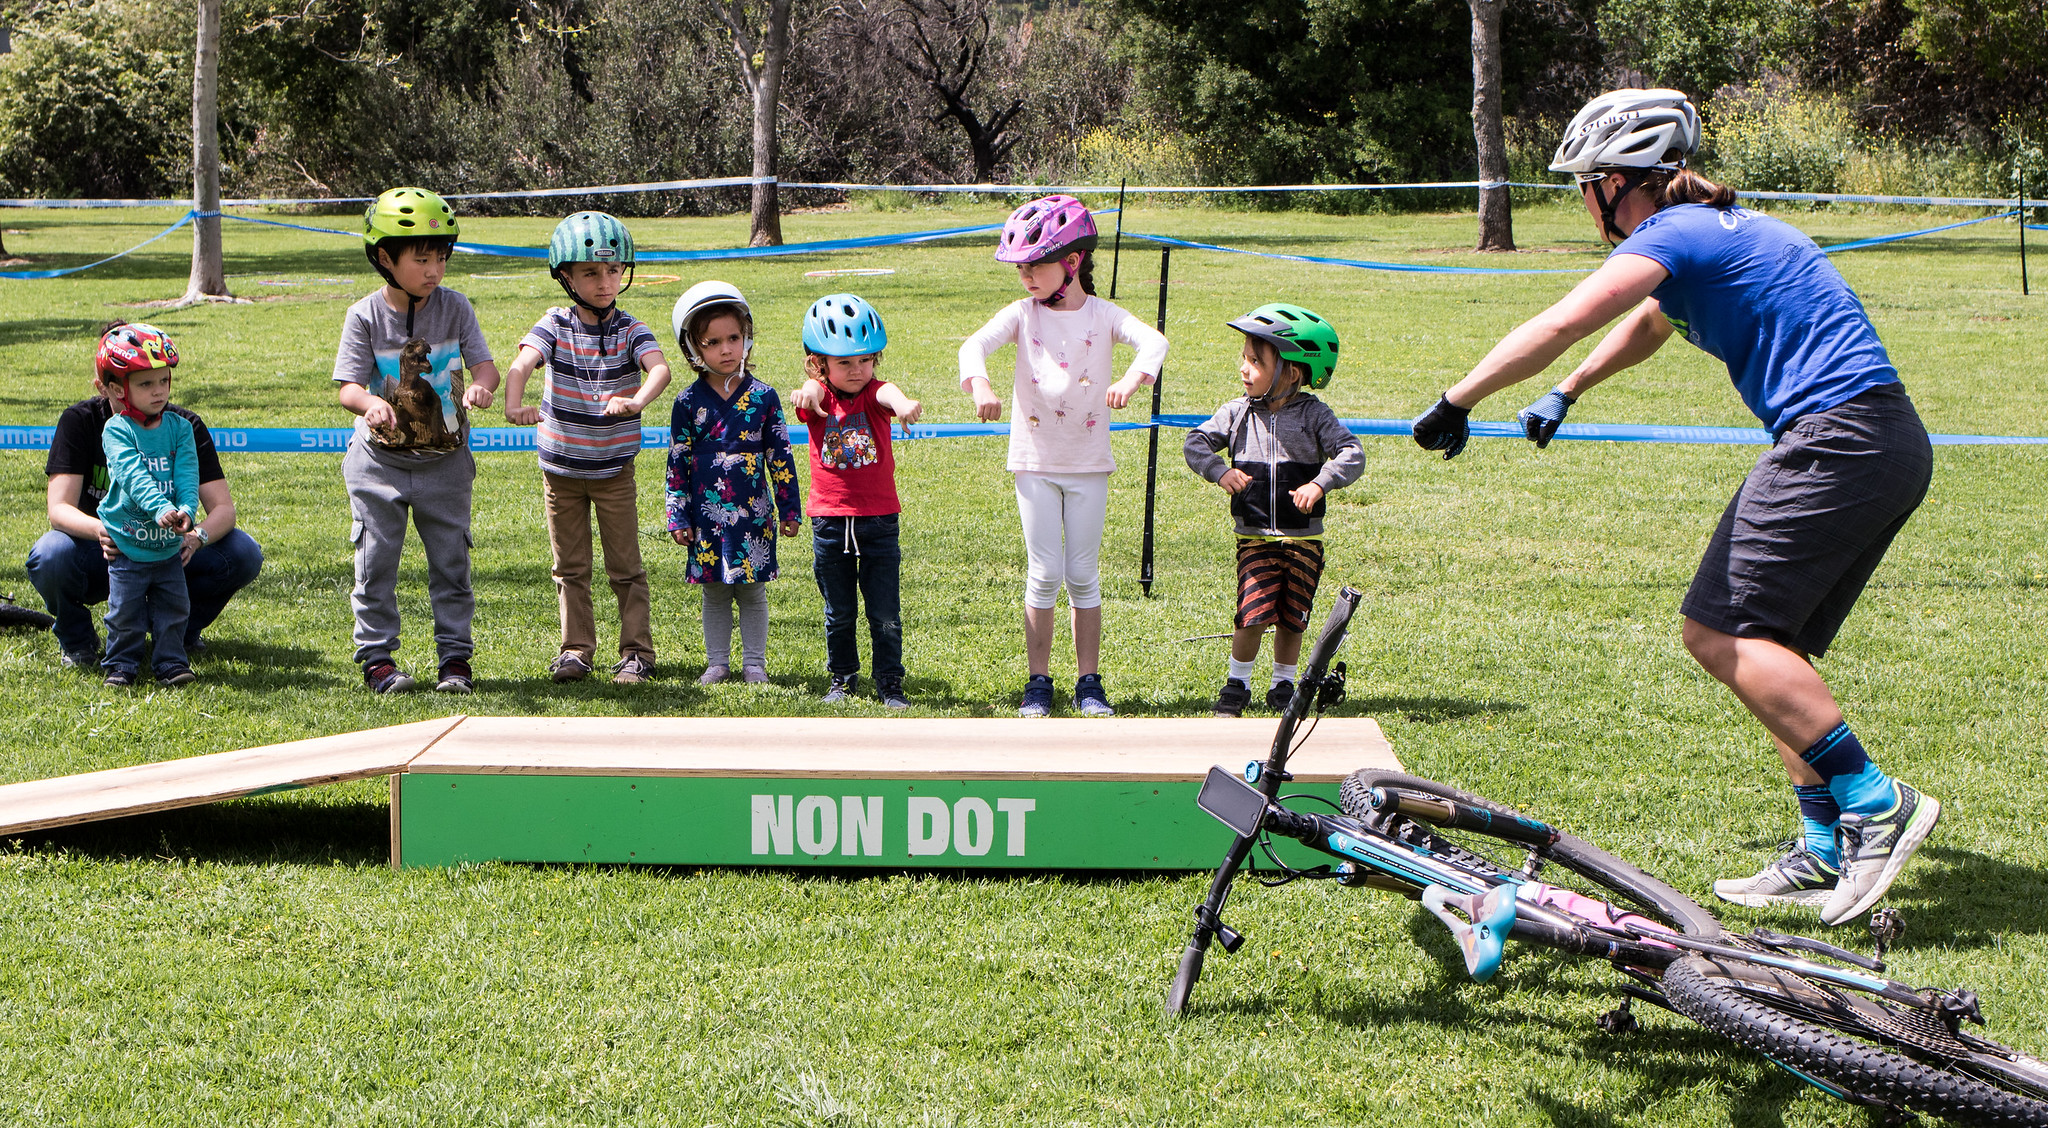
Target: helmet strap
1060, 294
1632, 179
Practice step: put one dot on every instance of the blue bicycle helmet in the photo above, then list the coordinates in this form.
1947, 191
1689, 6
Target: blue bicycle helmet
843, 325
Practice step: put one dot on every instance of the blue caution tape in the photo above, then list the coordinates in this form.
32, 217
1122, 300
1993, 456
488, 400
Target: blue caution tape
29, 274
334, 440
820, 247
1619, 432
1362, 264
1880, 240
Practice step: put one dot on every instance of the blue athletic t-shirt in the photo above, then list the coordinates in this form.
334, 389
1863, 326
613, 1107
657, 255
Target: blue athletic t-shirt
1760, 296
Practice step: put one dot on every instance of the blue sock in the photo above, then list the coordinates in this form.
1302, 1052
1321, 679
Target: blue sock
1818, 816
1858, 786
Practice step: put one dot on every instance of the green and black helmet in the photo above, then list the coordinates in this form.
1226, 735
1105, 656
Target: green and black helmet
1298, 334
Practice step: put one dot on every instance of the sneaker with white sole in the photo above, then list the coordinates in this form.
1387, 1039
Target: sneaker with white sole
1037, 697
633, 669
1799, 877
892, 693
1090, 699
1875, 848
569, 666
843, 687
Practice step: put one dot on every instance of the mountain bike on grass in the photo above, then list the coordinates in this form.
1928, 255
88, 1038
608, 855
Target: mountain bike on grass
1491, 874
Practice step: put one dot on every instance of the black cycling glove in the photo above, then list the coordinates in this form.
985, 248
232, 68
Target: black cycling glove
1444, 427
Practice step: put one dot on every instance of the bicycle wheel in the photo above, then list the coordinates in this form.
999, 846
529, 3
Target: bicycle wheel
1858, 1047
1605, 872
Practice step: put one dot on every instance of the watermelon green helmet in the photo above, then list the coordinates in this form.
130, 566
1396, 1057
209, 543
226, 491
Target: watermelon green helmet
590, 237
1298, 334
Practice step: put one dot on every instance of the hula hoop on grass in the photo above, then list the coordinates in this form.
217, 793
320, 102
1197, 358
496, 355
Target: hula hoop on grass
851, 272
517, 274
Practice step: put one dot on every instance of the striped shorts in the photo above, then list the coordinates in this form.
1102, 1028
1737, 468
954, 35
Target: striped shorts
1276, 581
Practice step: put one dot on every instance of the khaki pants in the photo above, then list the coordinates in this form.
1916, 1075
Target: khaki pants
569, 502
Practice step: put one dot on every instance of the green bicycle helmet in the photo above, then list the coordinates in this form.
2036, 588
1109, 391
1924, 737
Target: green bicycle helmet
590, 236
407, 213
1298, 334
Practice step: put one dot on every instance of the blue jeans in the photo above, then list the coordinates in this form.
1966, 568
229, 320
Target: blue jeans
855, 559
71, 575
146, 598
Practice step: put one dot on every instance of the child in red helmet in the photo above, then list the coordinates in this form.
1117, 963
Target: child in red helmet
152, 502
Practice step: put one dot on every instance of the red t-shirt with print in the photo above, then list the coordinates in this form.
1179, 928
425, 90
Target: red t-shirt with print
853, 469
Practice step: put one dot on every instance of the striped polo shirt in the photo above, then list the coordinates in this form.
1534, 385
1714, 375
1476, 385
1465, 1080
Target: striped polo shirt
586, 366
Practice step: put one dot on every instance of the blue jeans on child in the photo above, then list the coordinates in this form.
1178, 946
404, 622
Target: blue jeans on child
857, 559
146, 598
71, 575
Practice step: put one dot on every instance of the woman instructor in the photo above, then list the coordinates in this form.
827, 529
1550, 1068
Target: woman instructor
1848, 465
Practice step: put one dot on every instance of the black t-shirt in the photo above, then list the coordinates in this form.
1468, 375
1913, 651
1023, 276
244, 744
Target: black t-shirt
76, 449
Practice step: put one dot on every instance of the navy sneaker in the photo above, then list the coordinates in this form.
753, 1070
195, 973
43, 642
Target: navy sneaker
1090, 698
384, 676
842, 688
119, 679
1037, 697
893, 696
455, 677
176, 675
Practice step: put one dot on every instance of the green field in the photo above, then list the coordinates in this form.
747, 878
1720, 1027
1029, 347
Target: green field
255, 962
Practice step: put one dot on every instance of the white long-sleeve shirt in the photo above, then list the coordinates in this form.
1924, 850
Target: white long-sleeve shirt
1059, 417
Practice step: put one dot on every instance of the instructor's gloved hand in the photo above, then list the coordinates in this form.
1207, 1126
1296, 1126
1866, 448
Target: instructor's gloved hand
1444, 427
1540, 420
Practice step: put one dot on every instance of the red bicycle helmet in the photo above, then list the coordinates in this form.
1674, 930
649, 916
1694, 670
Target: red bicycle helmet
130, 348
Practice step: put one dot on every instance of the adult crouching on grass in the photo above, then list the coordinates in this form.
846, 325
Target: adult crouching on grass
68, 565
1849, 463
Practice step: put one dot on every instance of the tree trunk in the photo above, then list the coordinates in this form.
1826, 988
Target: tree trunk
208, 277
765, 84
1496, 212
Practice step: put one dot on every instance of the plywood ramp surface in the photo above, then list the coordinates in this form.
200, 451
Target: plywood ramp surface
207, 779
1128, 748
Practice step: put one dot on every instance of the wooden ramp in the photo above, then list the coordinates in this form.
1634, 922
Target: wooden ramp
116, 792
856, 791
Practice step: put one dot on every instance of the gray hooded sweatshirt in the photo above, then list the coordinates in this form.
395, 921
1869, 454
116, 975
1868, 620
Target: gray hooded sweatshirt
1282, 450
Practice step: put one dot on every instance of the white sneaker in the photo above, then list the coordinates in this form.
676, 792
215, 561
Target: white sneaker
1797, 878
1876, 848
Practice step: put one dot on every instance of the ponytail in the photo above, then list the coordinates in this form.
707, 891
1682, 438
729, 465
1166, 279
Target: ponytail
1688, 187
1086, 275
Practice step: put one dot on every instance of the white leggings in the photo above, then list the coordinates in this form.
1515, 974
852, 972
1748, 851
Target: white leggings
1063, 516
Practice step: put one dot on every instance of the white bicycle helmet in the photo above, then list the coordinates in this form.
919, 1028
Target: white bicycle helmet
697, 299
1629, 129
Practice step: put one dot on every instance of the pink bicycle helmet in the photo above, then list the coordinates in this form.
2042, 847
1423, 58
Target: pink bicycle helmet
1045, 229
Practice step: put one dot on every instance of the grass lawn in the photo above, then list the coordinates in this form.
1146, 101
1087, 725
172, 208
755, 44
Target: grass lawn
256, 962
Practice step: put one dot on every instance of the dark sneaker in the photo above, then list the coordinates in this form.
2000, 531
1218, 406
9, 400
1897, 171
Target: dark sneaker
384, 676
1876, 848
1797, 878
1037, 697
632, 670
754, 675
119, 679
1280, 696
843, 686
79, 659
569, 666
195, 645
1090, 698
1232, 698
176, 675
712, 675
893, 696
455, 677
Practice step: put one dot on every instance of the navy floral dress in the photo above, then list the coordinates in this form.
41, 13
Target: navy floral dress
729, 472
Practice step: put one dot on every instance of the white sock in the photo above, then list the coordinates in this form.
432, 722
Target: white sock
1285, 673
1242, 671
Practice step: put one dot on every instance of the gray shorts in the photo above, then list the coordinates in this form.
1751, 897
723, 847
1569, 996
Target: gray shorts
1816, 514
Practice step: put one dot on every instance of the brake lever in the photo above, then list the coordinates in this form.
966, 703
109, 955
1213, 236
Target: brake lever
1331, 691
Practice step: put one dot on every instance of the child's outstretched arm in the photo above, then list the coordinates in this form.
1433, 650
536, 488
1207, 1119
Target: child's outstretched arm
1206, 444
974, 353
901, 406
1145, 367
523, 366
655, 365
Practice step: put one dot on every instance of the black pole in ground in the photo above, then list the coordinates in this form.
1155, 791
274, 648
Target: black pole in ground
2019, 169
1152, 454
1116, 250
